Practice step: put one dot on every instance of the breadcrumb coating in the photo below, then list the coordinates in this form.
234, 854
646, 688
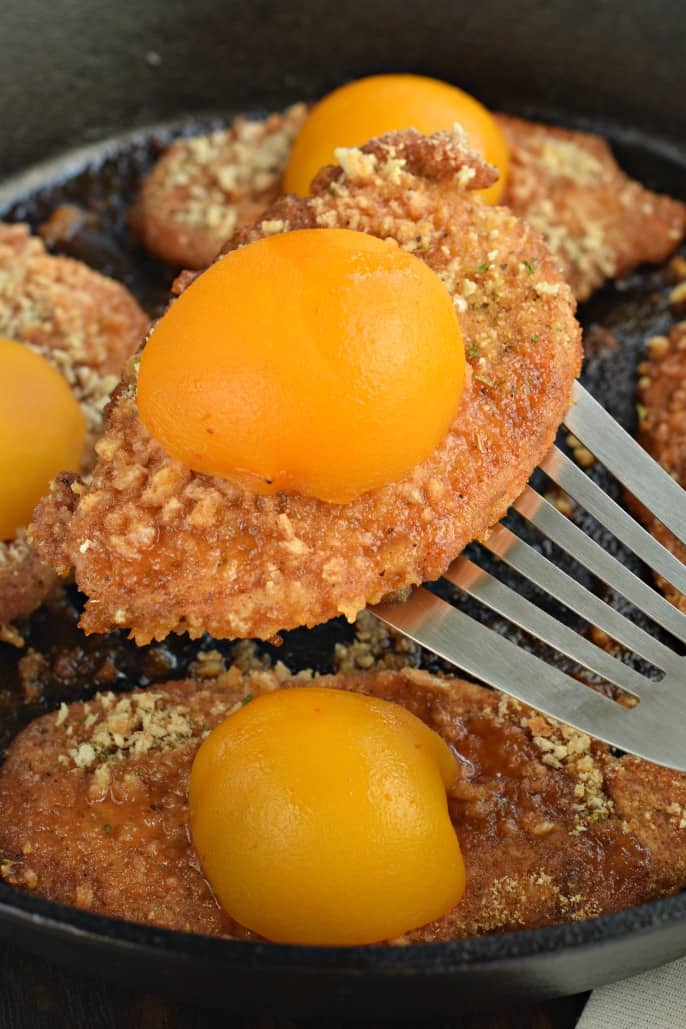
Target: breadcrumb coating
158, 548
662, 428
205, 187
597, 221
86, 325
553, 828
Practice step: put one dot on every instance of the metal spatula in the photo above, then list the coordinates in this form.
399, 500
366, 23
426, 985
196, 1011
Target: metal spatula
655, 726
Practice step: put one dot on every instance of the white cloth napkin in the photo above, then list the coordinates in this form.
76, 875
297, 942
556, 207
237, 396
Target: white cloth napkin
654, 1000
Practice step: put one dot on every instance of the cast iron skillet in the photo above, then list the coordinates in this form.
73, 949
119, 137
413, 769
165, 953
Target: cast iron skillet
74, 73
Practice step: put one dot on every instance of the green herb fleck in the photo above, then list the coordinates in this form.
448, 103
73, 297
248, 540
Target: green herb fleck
473, 350
641, 411
482, 268
485, 381
530, 268
247, 698
534, 338
107, 828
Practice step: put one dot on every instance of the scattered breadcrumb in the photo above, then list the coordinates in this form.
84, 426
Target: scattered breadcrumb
374, 647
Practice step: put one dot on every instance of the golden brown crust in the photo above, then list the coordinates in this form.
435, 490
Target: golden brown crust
59, 304
444, 157
552, 827
597, 221
25, 580
86, 325
203, 188
158, 548
662, 428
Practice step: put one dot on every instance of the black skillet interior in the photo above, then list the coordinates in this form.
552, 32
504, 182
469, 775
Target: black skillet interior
81, 72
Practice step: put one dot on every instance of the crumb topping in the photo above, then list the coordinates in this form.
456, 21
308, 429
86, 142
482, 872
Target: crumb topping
375, 647
566, 748
16, 550
234, 564
204, 187
566, 159
596, 220
552, 827
127, 726
83, 323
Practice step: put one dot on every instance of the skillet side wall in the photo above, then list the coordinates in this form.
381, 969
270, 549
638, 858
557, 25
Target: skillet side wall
406, 983
74, 71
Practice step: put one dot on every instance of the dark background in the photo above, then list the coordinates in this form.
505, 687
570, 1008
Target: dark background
148, 61
36, 995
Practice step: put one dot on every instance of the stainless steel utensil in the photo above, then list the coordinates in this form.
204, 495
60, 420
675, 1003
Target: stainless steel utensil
651, 722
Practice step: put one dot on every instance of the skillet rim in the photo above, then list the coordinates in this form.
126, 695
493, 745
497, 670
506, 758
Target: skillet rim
24, 910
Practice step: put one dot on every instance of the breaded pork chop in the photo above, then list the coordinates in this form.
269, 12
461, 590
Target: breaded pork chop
597, 221
94, 803
158, 548
84, 323
25, 580
87, 326
205, 187
662, 428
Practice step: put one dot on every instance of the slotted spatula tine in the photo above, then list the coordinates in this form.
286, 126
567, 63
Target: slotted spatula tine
591, 497
628, 462
653, 730
655, 726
